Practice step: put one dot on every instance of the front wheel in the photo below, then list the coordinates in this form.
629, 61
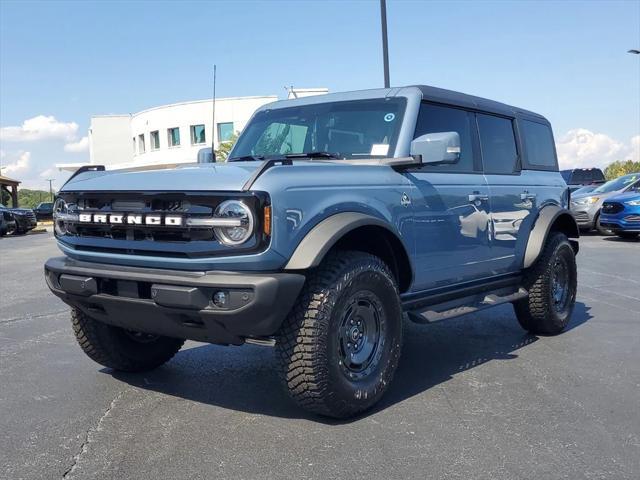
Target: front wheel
602, 230
121, 349
552, 284
340, 346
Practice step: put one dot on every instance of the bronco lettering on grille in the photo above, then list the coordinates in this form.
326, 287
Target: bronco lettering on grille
131, 219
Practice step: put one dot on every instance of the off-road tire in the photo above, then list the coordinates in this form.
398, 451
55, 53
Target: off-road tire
628, 235
599, 228
537, 313
116, 348
308, 343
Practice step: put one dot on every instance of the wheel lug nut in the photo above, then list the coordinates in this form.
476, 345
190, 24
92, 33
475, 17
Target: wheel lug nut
348, 345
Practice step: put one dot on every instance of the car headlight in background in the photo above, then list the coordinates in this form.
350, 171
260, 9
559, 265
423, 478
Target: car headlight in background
241, 222
633, 203
586, 201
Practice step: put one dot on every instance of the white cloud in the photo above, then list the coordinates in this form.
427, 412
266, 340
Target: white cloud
39, 128
18, 163
581, 148
81, 145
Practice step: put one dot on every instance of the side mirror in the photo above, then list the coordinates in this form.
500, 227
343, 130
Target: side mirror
441, 147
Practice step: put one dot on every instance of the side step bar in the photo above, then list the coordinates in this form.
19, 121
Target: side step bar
468, 304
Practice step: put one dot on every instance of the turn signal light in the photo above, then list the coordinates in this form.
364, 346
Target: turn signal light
267, 220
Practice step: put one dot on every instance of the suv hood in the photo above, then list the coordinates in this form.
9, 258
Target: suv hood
19, 211
205, 177
623, 197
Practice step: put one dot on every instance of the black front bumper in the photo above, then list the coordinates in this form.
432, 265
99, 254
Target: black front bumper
177, 303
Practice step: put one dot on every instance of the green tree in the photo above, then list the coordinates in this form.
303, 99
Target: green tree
31, 198
225, 147
619, 168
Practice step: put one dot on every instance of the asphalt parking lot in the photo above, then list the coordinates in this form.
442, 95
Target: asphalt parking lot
474, 397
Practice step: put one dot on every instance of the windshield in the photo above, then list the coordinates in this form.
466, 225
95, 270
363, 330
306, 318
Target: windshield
617, 184
350, 129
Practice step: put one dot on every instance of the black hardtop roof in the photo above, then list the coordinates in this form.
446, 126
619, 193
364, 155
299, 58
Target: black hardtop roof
441, 95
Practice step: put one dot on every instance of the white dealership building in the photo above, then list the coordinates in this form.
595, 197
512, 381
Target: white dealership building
171, 134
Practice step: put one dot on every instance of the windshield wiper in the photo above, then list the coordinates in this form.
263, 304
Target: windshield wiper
313, 155
246, 158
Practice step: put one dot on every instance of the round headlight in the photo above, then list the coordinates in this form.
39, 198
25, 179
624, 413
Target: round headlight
243, 227
59, 209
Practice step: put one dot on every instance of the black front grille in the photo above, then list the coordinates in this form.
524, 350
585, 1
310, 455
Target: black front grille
163, 239
612, 207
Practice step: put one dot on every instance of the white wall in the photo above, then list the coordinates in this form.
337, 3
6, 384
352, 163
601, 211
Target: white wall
107, 134
111, 137
184, 115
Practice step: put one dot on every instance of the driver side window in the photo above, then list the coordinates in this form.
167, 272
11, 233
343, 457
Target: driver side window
436, 119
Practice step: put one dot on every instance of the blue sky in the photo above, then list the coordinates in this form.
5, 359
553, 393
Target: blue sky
70, 60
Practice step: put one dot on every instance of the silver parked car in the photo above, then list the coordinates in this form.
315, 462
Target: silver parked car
586, 206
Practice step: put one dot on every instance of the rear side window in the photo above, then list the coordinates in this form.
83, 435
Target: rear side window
438, 119
498, 143
538, 141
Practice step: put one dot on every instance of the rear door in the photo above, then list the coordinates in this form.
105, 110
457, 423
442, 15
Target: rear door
514, 193
451, 212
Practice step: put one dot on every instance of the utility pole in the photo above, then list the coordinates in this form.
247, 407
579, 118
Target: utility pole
50, 180
213, 117
385, 44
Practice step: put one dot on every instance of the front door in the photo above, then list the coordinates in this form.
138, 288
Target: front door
451, 208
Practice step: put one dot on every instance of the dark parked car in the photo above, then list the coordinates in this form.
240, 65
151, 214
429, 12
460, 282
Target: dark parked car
579, 177
24, 217
7, 223
44, 211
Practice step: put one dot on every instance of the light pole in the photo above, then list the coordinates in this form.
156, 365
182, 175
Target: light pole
385, 45
50, 180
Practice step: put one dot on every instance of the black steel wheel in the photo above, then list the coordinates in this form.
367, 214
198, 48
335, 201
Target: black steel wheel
552, 284
340, 345
122, 349
361, 335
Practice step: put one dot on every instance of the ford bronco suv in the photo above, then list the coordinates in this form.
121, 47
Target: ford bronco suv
334, 218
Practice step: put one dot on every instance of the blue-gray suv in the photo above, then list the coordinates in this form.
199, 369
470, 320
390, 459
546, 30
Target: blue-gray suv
333, 218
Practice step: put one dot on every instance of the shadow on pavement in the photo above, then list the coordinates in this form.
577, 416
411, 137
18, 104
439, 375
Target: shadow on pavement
245, 378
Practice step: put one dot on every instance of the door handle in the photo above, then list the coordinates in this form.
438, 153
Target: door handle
527, 196
478, 197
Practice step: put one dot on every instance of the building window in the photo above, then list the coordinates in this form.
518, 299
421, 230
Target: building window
155, 140
225, 131
134, 145
141, 143
197, 134
174, 136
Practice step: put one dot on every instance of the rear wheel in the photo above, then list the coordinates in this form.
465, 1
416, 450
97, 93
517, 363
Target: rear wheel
340, 345
552, 284
121, 349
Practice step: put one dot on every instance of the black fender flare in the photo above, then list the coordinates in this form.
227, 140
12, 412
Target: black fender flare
547, 217
319, 240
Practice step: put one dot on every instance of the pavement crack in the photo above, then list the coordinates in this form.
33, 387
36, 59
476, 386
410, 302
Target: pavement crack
89, 437
31, 317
